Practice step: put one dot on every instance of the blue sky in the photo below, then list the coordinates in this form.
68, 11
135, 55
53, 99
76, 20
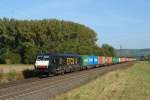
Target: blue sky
117, 22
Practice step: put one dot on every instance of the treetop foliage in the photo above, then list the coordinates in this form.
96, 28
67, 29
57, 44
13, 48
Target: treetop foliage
26, 38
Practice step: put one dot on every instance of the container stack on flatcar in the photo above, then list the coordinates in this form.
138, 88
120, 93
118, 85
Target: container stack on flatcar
109, 60
101, 60
54, 63
115, 60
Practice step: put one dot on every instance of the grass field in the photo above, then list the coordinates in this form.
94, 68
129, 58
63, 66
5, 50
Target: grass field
13, 72
5, 68
124, 84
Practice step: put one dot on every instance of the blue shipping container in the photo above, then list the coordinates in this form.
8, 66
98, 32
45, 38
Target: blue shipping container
92, 60
95, 62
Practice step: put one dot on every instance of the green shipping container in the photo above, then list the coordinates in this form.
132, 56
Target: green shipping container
85, 59
115, 60
106, 60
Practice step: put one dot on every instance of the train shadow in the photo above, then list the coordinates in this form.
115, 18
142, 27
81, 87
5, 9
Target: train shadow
28, 73
31, 73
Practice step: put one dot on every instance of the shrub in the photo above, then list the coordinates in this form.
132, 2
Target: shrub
10, 58
30, 55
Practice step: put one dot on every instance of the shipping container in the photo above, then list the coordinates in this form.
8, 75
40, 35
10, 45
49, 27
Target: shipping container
115, 60
119, 60
101, 60
84, 59
95, 60
127, 59
109, 60
122, 59
106, 60
89, 60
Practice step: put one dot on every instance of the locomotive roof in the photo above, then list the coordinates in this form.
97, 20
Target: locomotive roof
60, 54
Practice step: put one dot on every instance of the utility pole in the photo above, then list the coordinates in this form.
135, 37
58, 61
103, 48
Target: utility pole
121, 51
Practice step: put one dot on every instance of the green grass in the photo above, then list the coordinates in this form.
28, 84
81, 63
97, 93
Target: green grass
6, 68
10, 76
124, 84
13, 72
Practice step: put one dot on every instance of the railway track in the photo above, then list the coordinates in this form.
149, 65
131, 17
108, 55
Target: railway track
41, 89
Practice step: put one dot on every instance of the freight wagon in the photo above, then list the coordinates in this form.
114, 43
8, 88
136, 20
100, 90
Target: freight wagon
89, 61
55, 63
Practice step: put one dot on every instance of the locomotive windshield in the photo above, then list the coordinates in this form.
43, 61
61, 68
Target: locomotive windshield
42, 58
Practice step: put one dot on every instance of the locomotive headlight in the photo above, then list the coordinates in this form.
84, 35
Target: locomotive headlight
41, 63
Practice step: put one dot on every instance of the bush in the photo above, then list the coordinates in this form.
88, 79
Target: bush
10, 58
30, 55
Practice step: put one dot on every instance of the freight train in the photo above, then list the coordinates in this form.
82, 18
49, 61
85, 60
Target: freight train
55, 63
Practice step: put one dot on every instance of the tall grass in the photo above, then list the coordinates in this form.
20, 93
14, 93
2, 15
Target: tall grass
124, 84
14, 75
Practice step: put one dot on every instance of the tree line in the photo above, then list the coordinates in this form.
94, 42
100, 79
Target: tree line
22, 40
145, 58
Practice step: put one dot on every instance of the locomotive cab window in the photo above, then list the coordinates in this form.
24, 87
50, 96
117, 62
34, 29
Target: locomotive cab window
46, 58
42, 58
39, 58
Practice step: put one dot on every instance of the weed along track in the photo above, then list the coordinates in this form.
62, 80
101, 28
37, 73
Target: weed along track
41, 89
